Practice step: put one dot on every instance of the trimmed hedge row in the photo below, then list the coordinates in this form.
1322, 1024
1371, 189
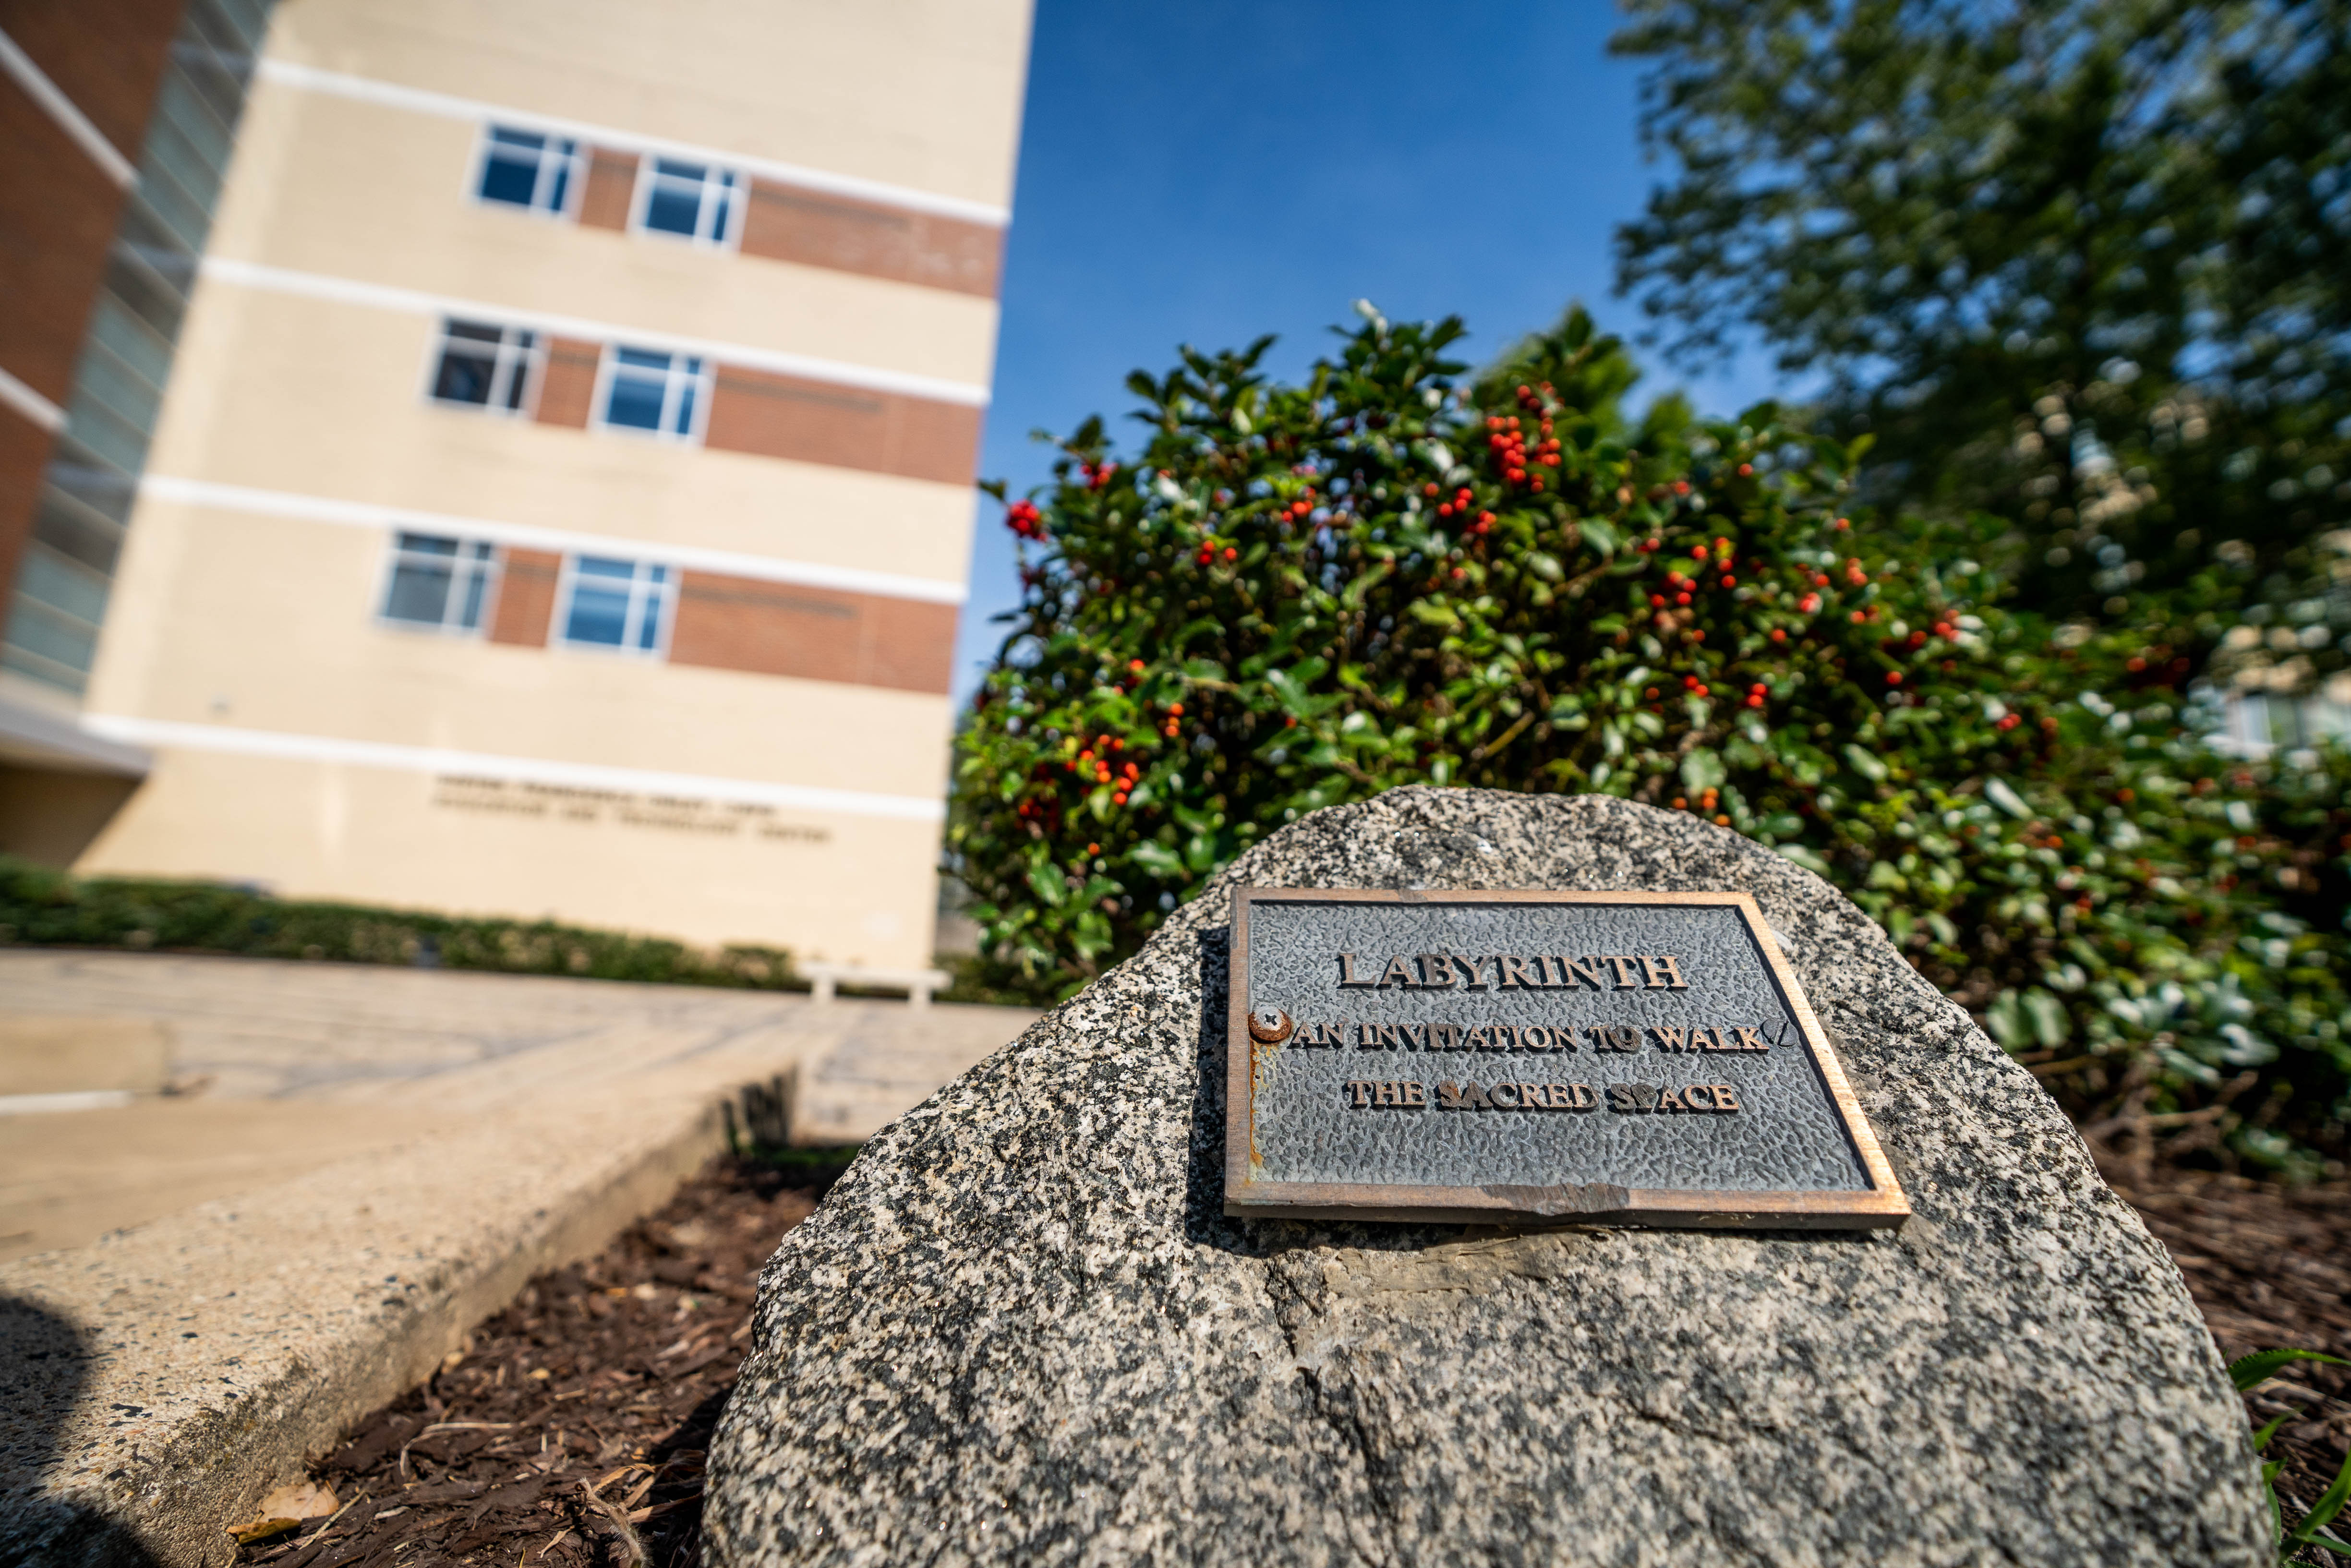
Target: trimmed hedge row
39, 906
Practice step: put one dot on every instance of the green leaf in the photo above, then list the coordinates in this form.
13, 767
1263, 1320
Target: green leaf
1865, 763
1702, 770
2005, 1019
1046, 884
1997, 792
2051, 1024
2328, 1505
2250, 1372
1158, 860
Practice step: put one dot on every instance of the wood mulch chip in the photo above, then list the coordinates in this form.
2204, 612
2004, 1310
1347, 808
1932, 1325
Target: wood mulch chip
573, 1427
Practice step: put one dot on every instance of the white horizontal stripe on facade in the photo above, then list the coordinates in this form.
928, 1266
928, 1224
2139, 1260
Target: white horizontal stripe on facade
281, 745
30, 403
422, 101
52, 101
562, 541
384, 297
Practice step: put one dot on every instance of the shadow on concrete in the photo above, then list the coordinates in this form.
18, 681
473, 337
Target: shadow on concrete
45, 1366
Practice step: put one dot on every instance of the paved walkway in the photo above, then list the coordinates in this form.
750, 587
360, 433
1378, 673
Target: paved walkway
297, 1066
200, 1292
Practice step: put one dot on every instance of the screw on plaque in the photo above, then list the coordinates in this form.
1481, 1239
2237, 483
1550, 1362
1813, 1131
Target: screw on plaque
1271, 1028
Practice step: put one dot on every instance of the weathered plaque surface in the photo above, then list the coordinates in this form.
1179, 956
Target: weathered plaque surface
1626, 1058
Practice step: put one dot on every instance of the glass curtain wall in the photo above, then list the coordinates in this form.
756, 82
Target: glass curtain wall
125, 356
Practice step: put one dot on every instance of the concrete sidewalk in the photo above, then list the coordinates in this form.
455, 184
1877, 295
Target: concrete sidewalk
304, 1064
205, 1290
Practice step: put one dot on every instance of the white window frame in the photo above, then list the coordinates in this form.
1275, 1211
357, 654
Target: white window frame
705, 381
573, 189
667, 591
736, 184
506, 352
493, 574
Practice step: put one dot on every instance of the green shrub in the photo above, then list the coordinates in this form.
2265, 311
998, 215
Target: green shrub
39, 906
1299, 595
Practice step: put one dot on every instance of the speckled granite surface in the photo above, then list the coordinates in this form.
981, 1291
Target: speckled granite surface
1022, 1331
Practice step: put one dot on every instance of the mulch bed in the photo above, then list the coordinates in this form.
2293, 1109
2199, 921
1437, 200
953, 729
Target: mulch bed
573, 1429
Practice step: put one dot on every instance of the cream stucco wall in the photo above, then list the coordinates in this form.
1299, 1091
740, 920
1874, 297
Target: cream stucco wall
862, 894
924, 93
269, 623
334, 187
317, 398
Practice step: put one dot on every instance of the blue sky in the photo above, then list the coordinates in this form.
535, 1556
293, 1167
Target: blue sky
1207, 171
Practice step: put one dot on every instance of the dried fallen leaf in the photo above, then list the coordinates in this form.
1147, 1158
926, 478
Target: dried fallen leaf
285, 1509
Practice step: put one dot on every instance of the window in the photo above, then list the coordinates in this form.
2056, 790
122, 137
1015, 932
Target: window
646, 391
618, 603
439, 582
524, 168
488, 367
695, 200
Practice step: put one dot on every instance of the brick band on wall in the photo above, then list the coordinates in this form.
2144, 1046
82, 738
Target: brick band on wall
812, 633
815, 422
567, 386
783, 224
527, 580
612, 187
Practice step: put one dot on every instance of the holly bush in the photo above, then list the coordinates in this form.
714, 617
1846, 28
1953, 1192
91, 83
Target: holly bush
1396, 573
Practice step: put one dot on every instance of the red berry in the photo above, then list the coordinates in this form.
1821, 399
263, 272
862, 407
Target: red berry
1893, 677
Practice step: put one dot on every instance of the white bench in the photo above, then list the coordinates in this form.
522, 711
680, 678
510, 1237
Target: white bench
918, 984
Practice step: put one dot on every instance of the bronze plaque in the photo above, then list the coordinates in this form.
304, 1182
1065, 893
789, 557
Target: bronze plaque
1599, 1058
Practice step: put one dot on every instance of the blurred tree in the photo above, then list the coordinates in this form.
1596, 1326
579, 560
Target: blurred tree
2084, 264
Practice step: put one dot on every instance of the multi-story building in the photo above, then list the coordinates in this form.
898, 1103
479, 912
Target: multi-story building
561, 499
116, 120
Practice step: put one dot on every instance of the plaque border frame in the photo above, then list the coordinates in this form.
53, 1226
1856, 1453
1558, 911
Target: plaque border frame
1882, 1205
